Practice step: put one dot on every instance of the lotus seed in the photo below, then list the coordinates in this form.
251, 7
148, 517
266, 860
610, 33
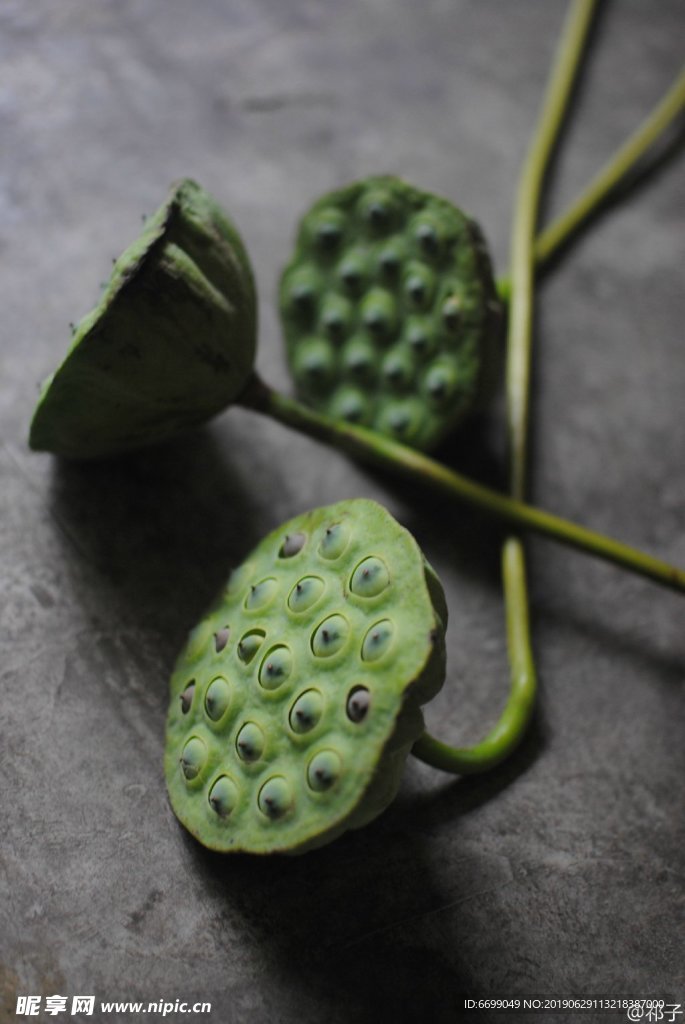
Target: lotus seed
427, 237
250, 742
419, 285
335, 317
391, 258
328, 230
398, 369
350, 405
217, 698
451, 313
370, 578
221, 638
330, 636
378, 640
261, 594
187, 697
402, 418
275, 797
354, 270
358, 704
359, 360
306, 593
324, 770
334, 541
379, 313
223, 796
249, 644
292, 545
276, 667
376, 210
315, 362
306, 711
441, 381
193, 758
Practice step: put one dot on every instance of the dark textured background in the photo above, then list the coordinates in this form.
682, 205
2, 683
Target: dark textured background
561, 873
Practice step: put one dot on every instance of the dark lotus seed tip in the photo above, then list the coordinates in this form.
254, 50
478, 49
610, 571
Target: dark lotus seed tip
377, 640
186, 697
351, 277
221, 638
377, 214
370, 578
358, 704
292, 545
417, 290
276, 667
328, 236
302, 297
260, 594
193, 758
451, 313
275, 797
324, 770
250, 742
427, 238
334, 541
306, 711
390, 262
223, 796
330, 636
305, 593
217, 698
249, 644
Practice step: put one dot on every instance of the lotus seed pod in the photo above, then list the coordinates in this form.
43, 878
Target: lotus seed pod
298, 731
400, 280
171, 343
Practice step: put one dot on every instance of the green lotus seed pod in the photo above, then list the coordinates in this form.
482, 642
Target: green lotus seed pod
415, 275
284, 751
171, 343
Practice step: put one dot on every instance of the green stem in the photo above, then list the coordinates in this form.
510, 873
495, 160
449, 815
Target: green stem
396, 458
510, 728
522, 261
508, 732
614, 172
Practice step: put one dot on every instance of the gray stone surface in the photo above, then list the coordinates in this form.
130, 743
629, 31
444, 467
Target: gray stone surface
559, 874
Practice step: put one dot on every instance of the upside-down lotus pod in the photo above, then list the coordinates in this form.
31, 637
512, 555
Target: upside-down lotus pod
298, 697
170, 344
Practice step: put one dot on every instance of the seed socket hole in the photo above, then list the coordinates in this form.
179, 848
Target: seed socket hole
358, 704
186, 697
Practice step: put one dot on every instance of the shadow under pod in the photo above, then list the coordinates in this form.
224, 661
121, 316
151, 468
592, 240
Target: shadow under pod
348, 931
161, 529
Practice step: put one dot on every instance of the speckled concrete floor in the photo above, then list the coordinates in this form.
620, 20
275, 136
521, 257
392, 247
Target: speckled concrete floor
559, 874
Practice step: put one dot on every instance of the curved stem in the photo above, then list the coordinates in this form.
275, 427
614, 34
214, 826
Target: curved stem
423, 471
514, 720
506, 734
612, 174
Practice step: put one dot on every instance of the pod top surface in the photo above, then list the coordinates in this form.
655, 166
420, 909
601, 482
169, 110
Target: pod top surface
389, 310
297, 697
